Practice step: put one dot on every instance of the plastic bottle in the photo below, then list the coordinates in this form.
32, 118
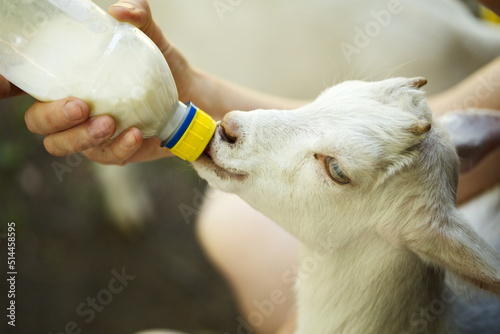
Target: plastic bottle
53, 49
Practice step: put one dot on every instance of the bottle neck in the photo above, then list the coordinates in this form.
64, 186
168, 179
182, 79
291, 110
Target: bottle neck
179, 114
192, 133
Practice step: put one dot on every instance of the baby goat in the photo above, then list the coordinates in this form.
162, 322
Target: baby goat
366, 180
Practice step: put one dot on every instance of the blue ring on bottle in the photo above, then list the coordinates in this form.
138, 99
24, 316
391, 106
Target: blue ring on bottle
187, 121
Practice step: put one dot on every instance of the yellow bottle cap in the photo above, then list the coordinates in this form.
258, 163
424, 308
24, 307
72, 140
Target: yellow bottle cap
194, 134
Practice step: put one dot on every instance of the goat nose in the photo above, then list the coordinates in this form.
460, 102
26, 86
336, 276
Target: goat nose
228, 130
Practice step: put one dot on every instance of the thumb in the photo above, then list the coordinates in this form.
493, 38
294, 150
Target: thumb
138, 13
135, 12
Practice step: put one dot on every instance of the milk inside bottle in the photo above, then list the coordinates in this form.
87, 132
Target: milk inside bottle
53, 49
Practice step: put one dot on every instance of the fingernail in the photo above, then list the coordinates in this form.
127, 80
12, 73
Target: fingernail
73, 111
99, 127
125, 5
129, 140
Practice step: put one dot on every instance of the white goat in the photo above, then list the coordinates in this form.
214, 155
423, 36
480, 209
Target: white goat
366, 180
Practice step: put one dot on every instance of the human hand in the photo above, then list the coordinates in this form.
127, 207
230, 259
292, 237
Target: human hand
66, 123
7, 89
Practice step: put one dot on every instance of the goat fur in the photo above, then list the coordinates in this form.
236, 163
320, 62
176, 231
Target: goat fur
385, 239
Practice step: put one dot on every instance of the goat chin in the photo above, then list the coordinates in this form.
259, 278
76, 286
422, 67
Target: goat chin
366, 180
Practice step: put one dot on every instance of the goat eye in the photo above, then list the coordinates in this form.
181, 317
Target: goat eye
336, 173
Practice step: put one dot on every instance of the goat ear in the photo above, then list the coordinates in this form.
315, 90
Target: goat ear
416, 82
420, 127
453, 244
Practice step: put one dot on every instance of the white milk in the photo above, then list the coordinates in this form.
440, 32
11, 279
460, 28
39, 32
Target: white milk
112, 66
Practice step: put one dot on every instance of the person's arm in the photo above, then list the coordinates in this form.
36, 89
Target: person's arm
473, 129
481, 90
217, 97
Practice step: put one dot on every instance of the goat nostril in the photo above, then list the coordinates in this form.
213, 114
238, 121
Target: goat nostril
226, 134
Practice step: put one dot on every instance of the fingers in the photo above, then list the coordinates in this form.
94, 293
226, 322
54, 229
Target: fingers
151, 149
67, 126
138, 13
117, 151
128, 147
7, 89
48, 117
93, 132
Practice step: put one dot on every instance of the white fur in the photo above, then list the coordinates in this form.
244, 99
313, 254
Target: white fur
383, 239
483, 213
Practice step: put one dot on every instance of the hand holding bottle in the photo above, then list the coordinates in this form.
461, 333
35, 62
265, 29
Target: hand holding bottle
66, 122
68, 128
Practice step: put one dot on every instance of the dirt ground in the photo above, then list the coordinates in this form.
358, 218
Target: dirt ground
77, 271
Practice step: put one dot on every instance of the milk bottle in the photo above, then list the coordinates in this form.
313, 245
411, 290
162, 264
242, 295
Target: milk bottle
53, 49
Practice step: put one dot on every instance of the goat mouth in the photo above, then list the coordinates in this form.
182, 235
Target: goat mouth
209, 161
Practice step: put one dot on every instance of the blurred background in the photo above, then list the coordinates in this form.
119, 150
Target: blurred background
79, 226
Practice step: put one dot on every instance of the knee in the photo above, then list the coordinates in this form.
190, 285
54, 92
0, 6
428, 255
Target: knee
219, 227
